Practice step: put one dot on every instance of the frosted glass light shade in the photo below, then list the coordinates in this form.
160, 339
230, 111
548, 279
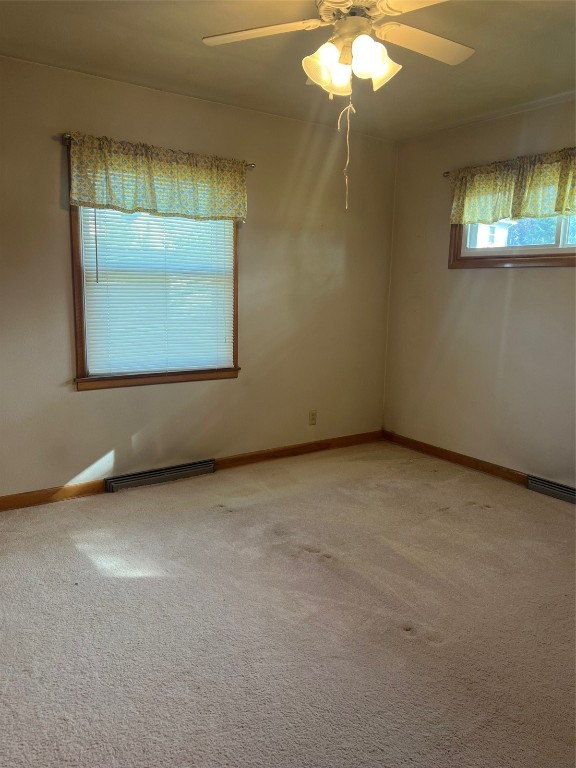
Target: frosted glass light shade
317, 66
341, 83
368, 56
385, 73
324, 69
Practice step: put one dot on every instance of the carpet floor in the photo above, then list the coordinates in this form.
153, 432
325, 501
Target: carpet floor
368, 607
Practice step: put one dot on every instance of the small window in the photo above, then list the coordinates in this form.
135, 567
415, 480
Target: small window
524, 242
515, 213
155, 298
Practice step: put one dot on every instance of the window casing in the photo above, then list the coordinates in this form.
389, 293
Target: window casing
507, 243
155, 298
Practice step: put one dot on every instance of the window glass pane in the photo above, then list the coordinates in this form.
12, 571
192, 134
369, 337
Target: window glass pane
158, 292
533, 231
571, 236
507, 233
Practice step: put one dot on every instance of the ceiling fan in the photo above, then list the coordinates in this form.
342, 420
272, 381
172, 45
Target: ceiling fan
352, 49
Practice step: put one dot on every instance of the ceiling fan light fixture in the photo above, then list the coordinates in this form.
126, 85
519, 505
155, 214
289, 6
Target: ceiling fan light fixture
332, 65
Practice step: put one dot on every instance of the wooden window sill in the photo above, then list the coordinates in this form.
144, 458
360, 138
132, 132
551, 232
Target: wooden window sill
554, 258
144, 379
524, 260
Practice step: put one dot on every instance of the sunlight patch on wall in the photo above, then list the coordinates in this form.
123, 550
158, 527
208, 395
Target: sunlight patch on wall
113, 557
101, 468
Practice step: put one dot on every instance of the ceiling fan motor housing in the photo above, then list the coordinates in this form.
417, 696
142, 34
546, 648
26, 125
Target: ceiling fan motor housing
350, 27
334, 10
346, 30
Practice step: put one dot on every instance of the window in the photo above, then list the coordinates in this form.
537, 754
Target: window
528, 241
154, 274
158, 298
515, 213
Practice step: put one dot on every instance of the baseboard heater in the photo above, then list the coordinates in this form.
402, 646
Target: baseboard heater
549, 488
163, 475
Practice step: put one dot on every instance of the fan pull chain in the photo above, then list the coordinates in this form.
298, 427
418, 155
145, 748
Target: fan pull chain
348, 109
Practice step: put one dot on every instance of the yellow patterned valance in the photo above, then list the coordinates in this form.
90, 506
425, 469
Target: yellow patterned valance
106, 173
534, 186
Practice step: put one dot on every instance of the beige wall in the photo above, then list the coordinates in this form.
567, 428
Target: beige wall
312, 277
479, 361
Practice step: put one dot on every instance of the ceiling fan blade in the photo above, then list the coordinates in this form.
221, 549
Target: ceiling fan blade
275, 29
423, 42
395, 7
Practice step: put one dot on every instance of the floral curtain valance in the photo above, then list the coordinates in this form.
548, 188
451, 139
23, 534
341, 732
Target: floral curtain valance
534, 186
106, 173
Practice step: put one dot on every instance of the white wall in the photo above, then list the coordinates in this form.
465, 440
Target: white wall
312, 278
480, 361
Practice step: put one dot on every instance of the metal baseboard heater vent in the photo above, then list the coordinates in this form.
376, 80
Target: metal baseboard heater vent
557, 490
148, 477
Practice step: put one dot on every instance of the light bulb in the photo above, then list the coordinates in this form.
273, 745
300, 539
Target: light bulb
328, 53
368, 56
341, 80
341, 74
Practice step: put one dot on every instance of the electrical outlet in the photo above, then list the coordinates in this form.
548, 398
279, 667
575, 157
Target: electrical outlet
312, 417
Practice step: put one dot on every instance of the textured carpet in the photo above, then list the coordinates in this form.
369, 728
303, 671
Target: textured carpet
366, 607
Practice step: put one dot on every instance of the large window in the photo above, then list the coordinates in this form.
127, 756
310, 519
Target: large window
515, 213
157, 298
154, 263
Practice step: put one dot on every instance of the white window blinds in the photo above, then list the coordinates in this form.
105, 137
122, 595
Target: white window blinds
158, 292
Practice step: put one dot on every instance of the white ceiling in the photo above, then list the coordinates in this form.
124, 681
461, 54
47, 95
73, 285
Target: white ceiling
525, 52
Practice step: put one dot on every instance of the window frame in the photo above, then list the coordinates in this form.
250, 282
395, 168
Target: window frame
84, 381
511, 256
